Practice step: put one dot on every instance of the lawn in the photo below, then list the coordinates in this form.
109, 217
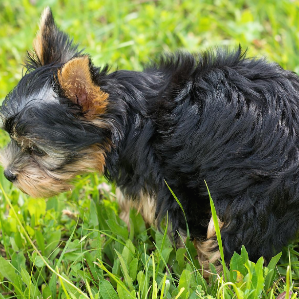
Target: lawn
74, 245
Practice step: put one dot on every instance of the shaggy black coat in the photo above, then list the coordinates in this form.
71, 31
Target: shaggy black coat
216, 117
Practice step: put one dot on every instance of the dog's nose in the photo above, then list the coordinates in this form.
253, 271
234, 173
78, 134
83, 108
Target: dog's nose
9, 175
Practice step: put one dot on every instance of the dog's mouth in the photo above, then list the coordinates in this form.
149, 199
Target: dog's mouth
38, 184
16, 184
37, 191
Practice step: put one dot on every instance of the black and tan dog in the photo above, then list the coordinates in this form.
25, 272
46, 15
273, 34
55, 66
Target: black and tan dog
216, 117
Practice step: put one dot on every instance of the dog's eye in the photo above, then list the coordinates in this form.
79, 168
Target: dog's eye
36, 151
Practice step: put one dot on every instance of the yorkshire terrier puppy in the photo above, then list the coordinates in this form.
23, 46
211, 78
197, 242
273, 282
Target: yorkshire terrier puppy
217, 117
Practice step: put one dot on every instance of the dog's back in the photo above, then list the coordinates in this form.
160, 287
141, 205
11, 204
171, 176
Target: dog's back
234, 123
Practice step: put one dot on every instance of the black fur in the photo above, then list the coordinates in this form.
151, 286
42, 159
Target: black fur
217, 117
220, 118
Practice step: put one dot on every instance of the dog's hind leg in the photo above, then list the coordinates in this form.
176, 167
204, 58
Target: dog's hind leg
263, 225
208, 250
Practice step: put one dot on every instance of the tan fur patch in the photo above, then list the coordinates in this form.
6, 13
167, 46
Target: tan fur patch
93, 159
38, 41
206, 250
75, 80
211, 232
144, 204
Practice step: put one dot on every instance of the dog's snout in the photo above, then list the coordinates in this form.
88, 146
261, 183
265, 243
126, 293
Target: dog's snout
9, 175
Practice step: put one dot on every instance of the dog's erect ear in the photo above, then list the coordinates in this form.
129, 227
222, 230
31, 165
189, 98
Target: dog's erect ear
77, 84
50, 44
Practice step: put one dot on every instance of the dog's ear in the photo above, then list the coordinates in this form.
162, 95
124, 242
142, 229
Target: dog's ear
76, 82
50, 44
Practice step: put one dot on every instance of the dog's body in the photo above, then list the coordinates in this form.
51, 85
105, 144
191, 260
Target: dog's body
216, 117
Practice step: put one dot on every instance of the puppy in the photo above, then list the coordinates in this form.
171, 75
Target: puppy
216, 116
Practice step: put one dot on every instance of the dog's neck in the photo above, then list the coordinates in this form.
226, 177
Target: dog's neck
133, 131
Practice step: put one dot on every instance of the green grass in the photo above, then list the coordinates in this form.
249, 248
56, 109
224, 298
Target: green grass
74, 245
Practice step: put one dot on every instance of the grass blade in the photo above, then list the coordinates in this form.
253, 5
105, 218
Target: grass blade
218, 234
179, 203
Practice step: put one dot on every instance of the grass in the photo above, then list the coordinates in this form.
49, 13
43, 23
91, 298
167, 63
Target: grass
74, 245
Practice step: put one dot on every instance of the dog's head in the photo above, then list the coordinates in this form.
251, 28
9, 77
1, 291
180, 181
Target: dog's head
53, 116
